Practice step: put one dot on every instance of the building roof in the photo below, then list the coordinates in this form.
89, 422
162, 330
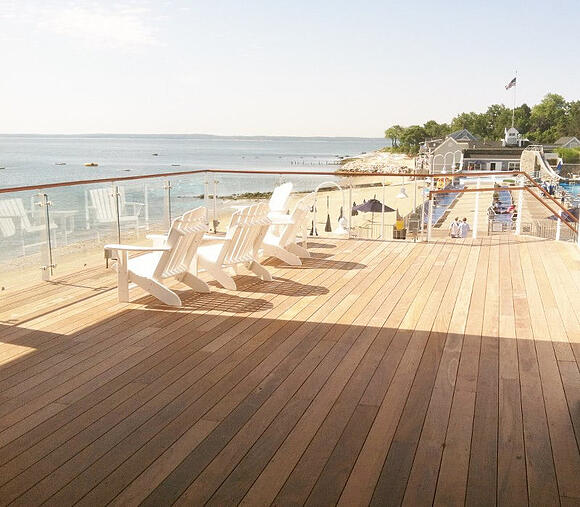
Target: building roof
486, 143
463, 135
565, 140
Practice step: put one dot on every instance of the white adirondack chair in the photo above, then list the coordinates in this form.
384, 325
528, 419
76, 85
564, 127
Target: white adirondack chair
281, 242
105, 208
278, 204
240, 247
7, 228
173, 258
14, 208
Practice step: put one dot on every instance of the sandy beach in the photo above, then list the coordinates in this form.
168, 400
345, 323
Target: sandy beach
377, 161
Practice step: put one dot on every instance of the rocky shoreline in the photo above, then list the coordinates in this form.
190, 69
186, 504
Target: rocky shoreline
379, 161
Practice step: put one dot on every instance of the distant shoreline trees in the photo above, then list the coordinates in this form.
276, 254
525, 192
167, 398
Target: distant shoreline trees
545, 122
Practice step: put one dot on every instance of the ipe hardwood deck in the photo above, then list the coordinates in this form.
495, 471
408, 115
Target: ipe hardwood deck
379, 373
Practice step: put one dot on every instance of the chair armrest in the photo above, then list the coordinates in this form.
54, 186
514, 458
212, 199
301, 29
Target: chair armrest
209, 239
137, 248
158, 239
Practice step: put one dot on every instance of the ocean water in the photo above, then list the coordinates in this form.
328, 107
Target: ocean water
30, 159
38, 159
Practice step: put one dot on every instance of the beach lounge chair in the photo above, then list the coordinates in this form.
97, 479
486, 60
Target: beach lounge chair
281, 239
278, 204
240, 247
105, 210
172, 257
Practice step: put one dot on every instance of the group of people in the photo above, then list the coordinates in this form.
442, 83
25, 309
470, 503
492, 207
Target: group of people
500, 209
459, 228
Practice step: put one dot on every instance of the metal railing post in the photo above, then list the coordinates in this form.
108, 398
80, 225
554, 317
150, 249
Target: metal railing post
558, 226
349, 212
476, 211
430, 217
214, 219
116, 196
383, 211
206, 197
167, 204
46, 253
519, 209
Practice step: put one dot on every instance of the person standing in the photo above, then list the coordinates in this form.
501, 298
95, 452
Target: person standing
464, 228
454, 228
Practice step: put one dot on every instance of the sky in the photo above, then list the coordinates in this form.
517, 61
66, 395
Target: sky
304, 68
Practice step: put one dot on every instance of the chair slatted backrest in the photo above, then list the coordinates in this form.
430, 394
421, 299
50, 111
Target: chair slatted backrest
246, 232
279, 201
103, 201
13, 208
299, 218
7, 228
184, 237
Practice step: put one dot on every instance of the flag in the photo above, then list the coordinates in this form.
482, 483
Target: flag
510, 84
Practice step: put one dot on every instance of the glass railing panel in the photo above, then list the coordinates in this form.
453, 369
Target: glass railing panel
186, 193
83, 219
381, 205
24, 242
228, 192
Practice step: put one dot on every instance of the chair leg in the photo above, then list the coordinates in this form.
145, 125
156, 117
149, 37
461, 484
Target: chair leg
226, 281
282, 254
157, 290
298, 250
197, 284
260, 271
122, 276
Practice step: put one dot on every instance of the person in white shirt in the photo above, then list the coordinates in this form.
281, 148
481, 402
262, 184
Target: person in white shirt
463, 228
454, 228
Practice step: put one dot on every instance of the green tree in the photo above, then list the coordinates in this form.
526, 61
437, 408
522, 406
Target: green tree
394, 133
434, 130
476, 123
522, 118
548, 119
498, 118
413, 136
573, 123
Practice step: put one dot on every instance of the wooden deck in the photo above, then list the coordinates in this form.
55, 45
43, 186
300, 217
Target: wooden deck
377, 373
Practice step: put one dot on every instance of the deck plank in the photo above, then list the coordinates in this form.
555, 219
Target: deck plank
378, 372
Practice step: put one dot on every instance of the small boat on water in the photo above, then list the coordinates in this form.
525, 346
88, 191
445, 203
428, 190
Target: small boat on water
175, 165
91, 164
60, 163
155, 154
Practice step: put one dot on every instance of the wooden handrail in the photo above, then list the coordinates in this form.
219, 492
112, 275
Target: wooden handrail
235, 171
293, 173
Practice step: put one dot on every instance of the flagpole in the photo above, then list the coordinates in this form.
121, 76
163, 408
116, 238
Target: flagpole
514, 105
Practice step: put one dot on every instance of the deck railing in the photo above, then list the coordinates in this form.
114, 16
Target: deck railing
66, 224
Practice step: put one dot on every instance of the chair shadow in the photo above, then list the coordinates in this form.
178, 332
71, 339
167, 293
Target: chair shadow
321, 263
315, 244
280, 286
214, 300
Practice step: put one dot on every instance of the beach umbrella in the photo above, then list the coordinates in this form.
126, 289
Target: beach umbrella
574, 211
373, 206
